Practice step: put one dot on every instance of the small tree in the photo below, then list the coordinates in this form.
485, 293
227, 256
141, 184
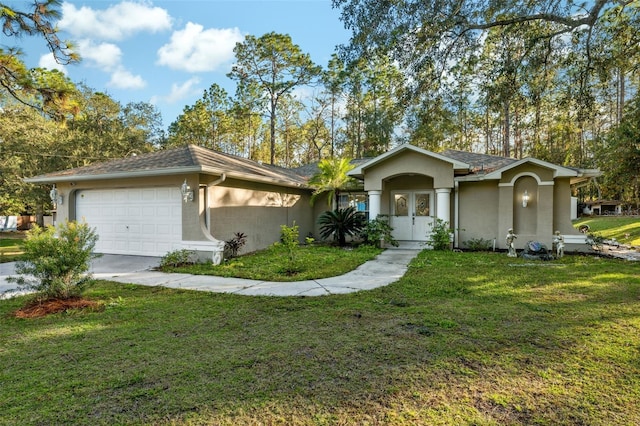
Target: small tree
56, 260
340, 223
289, 242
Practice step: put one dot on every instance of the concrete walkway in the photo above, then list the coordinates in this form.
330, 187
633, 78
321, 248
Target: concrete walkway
386, 268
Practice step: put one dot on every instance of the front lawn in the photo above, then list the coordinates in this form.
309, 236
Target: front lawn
625, 229
463, 338
311, 262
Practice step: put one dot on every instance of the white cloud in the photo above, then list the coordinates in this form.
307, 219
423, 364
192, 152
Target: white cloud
179, 92
114, 23
123, 79
106, 56
49, 62
195, 49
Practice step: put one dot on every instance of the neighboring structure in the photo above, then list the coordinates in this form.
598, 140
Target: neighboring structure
195, 198
602, 207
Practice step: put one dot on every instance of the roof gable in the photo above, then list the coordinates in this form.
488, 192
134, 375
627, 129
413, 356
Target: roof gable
359, 170
558, 171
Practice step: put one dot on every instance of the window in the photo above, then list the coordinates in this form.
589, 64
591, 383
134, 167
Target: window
357, 200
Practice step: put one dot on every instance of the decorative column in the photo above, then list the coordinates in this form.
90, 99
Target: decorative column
374, 203
443, 204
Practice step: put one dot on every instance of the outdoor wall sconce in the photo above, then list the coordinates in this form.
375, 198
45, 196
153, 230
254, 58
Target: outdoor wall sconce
56, 197
525, 198
186, 191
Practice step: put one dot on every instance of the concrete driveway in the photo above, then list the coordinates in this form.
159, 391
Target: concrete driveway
387, 267
106, 267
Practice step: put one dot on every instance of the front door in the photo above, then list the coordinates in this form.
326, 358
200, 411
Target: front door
411, 215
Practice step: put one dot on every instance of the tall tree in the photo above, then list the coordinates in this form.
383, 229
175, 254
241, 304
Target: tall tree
276, 65
428, 39
39, 21
206, 123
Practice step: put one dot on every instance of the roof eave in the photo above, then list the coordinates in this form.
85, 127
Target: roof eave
113, 175
45, 179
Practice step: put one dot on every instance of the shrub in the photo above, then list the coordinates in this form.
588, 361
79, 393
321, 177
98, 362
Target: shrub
56, 260
440, 238
289, 243
233, 245
479, 244
340, 223
176, 258
377, 229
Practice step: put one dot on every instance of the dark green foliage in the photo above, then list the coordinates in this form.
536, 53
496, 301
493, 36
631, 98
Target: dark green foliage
479, 244
233, 245
56, 260
440, 238
340, 223
378, 229
177, 258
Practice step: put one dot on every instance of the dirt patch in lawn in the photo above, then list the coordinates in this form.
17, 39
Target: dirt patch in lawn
39, 308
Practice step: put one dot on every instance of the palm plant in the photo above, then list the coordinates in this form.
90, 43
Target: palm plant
331, 179
340, 223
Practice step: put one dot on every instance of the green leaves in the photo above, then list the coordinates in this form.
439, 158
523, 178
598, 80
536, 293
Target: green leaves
340, 223
331, 178
275, 65
56, 260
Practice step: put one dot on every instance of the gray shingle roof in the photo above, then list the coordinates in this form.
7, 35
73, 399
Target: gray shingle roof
479, 162
184, 159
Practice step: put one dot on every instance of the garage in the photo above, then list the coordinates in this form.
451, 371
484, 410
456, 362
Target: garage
133, 221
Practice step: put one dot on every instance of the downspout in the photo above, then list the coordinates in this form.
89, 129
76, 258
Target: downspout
456, 214
218, 181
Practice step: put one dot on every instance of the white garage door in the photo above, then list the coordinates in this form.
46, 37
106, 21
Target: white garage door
136, 221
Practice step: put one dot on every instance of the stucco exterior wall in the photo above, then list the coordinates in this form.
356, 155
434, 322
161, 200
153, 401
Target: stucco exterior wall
563, 203
478, 211
258, 210
406, 163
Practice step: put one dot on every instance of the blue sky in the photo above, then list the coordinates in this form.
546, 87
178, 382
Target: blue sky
168, 52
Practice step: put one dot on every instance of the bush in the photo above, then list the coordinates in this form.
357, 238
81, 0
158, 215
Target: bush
289, 243
233, 246
376, 230
440, 238
479, 244
340, 223
56, 260
177, 258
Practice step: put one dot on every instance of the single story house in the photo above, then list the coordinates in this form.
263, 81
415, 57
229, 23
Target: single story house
195, 198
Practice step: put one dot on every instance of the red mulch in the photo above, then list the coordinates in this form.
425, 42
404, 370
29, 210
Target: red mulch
41, 308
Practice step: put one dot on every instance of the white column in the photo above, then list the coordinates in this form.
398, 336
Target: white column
443, 203
374, 203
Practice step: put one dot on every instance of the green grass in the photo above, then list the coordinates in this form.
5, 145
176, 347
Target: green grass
10, 246
625, 229
311, 262
463, 338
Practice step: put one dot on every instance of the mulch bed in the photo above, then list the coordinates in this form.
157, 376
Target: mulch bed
41, 308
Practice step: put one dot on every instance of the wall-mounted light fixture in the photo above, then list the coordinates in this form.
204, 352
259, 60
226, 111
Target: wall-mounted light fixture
56, 197
525, 198
186, 191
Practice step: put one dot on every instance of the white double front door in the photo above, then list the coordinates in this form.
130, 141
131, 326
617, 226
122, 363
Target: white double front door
412, 215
